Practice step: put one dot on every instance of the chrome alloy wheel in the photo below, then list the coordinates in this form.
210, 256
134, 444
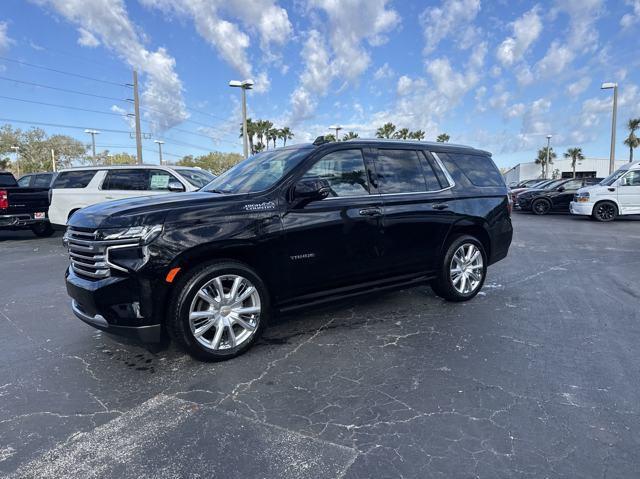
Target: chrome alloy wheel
466, 268
225, 312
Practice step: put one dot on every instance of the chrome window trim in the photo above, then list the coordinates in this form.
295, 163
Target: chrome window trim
444, 170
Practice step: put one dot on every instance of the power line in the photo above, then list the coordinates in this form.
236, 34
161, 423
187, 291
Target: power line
62, 72
63, 89
67, 107
133, 147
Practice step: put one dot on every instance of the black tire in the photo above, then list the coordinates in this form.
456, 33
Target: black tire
178, 324
605, 211
443, 285
541, 206
42, 229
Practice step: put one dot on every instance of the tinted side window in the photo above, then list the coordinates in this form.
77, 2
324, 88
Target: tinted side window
345, 172
443, 182
74, 179
24, 181
399, 171
42, 181
129, 180
479, 169
573, 185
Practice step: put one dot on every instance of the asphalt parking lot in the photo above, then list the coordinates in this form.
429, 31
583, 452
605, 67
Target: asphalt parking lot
536, 377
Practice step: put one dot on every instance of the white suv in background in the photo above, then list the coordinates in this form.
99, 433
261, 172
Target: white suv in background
618, 194
77, 188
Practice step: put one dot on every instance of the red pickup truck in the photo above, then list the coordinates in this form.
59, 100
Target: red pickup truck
23, 208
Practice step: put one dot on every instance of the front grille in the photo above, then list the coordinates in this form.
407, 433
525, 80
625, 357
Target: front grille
86, 254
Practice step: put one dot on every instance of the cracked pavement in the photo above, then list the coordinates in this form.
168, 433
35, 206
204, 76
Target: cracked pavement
536, 377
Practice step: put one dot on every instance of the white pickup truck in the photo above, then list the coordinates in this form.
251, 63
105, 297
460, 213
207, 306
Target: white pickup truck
618, 194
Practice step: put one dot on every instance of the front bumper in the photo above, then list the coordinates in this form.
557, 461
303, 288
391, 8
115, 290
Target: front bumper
524, 203
581, 208
119, 305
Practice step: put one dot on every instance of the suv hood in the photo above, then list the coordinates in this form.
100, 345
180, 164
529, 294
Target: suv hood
143, 210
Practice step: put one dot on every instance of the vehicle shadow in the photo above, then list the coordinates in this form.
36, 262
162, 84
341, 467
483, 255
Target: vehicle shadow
23, 235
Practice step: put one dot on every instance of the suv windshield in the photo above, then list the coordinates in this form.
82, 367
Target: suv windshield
258, 172
609, 180
553, 184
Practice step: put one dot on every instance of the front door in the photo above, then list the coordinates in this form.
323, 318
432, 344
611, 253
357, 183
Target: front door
629, 193
562, 199
334, 242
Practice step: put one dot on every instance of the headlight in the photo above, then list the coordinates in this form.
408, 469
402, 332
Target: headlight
582, 197
145, 234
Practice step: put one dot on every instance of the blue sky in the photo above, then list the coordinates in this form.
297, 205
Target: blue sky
498, 75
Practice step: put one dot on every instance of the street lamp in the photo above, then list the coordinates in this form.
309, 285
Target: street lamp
337, 128
16, 148
244, 85
612, 153
93, 134
548, 155
160, 143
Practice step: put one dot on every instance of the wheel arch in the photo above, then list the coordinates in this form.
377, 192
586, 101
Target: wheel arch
464, 227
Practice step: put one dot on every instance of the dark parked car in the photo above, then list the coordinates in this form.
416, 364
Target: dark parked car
23, 208
555, 196
37, 180
288, 228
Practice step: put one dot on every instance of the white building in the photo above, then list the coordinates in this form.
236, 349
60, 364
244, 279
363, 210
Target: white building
561, 168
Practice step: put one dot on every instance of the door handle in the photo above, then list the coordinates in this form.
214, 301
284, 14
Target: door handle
440, 206
370, 212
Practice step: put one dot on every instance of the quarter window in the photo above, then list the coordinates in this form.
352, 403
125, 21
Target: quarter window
479, 169
42, 181
399, 171
74, 179
429, 165
345, 172
24, 181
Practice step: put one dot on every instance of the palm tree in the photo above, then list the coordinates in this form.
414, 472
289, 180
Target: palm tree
575, 154
386, 130
443, 138
542, 159
285, 134
330, 137
417, 135
401, 134
632, 141
352, 135
272, 135
251, 132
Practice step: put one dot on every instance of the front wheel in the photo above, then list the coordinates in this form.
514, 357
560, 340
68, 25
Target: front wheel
462, 271
605, 211
219, 310
42, 229
541, 207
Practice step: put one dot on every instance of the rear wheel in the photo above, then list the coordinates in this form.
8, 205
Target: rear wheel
219, 310
605, 211
42, 229
462, 271
541, 207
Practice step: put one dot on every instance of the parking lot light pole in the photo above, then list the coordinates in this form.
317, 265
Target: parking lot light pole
548, 156
337, 128
244, 86
16, 148
612, 152
160, 143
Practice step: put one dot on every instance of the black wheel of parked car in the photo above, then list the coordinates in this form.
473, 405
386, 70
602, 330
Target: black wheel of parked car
43, 229
463, 270
541, 206
218, 310
605, 211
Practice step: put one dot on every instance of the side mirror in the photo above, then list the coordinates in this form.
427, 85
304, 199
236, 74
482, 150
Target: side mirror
561, 189
175, 186
311, 189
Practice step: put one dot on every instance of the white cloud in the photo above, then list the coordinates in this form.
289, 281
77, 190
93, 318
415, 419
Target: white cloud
87, 39
448, 82
404, 85
108, 22
557, 58
499, 100
578, 87
526, 31
524, 75
535, 121
515, 110
385, 71
630, 19
270, 21
5, 40
452, 17
583, 14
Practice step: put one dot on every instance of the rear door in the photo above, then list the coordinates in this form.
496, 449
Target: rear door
629, 193
130, 183
416, 218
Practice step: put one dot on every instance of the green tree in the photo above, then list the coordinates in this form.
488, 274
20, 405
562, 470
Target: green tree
542, 159
330, 137
575, 155
386, 131
401, 134
352, 135
272, 135
443, 138
417, 135
285, 134
632, 141
5, 163
216, 162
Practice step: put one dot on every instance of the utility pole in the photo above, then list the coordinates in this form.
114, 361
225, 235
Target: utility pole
136, 107
93, 134
53, 160
612, 153
160, 143
16, 148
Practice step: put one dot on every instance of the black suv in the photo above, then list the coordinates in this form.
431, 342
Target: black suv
288, 227
555, 196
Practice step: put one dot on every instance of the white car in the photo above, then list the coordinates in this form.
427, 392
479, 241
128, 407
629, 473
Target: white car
618, 194
77, 188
